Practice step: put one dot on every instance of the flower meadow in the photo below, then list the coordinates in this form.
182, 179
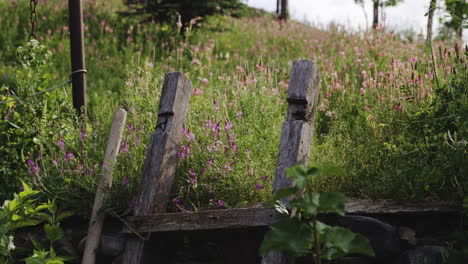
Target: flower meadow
392, 113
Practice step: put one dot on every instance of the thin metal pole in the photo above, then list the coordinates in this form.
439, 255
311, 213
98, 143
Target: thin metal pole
75, 8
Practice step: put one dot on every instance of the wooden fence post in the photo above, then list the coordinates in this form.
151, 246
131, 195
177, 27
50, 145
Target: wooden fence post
297, 131
105, 183
161, 158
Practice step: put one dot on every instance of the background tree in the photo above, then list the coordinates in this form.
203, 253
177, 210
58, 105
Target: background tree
458, 11
284, 10
167, 10
379, 4
278, 5
430, 16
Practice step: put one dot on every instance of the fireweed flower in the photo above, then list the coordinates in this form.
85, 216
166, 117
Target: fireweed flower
227, 126
125, 182
228, 167
34, 168
184, 152
123, 146
54, 160
60, 143
176, 200
187, 134
83, 135
258, 186
215, 106
192, 173
210, 162
68, 155
219, 203
204, 81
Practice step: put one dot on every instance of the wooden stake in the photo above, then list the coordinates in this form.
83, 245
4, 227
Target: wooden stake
161, 157
105, 183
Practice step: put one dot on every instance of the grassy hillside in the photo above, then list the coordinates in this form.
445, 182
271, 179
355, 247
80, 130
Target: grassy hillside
392, 116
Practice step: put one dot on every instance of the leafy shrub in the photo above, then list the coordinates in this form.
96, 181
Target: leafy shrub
300, 233
25, 211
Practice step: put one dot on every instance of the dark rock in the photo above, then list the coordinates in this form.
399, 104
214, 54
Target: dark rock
423, 255
407, 235
354, 260
382, 236
65, 248
112, 245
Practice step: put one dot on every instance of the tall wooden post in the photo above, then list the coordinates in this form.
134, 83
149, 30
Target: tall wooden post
78, 75
297, 131
161, 156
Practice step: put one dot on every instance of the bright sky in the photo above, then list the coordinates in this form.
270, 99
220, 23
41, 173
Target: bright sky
407, 15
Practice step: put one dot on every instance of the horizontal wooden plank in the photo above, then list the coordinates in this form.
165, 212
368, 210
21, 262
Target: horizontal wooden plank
369, 207
212, 219
255, 217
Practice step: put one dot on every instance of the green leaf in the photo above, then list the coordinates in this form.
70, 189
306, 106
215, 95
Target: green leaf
41, 207
308, 205
332, 202
64, 215
16, 217
301, 174
340, 241
4, 251
55, 261
45, 217
27, 191
53, 232
29, 222
288, 235
36, 141
283, 192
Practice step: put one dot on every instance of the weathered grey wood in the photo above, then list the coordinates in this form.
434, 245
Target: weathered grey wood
257, 217
204, 220
297, 131
274, 257
161, 157
383, 207
110, 158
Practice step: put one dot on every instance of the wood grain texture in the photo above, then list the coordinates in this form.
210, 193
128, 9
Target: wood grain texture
204, 220
110, 158
257, 217
297, 131
161, 157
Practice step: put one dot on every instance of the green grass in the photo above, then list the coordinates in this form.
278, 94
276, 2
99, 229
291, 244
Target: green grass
381, 117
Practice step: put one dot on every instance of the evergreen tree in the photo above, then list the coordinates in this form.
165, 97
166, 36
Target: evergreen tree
379, 4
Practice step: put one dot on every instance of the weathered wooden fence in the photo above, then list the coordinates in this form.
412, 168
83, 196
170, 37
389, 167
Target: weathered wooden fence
159, 170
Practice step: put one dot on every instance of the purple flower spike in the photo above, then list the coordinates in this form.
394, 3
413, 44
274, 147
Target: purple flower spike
60, 143
69, 155
219, 203
258, 186
34, 168
83, 135
192, 173
125, 182
176, 200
